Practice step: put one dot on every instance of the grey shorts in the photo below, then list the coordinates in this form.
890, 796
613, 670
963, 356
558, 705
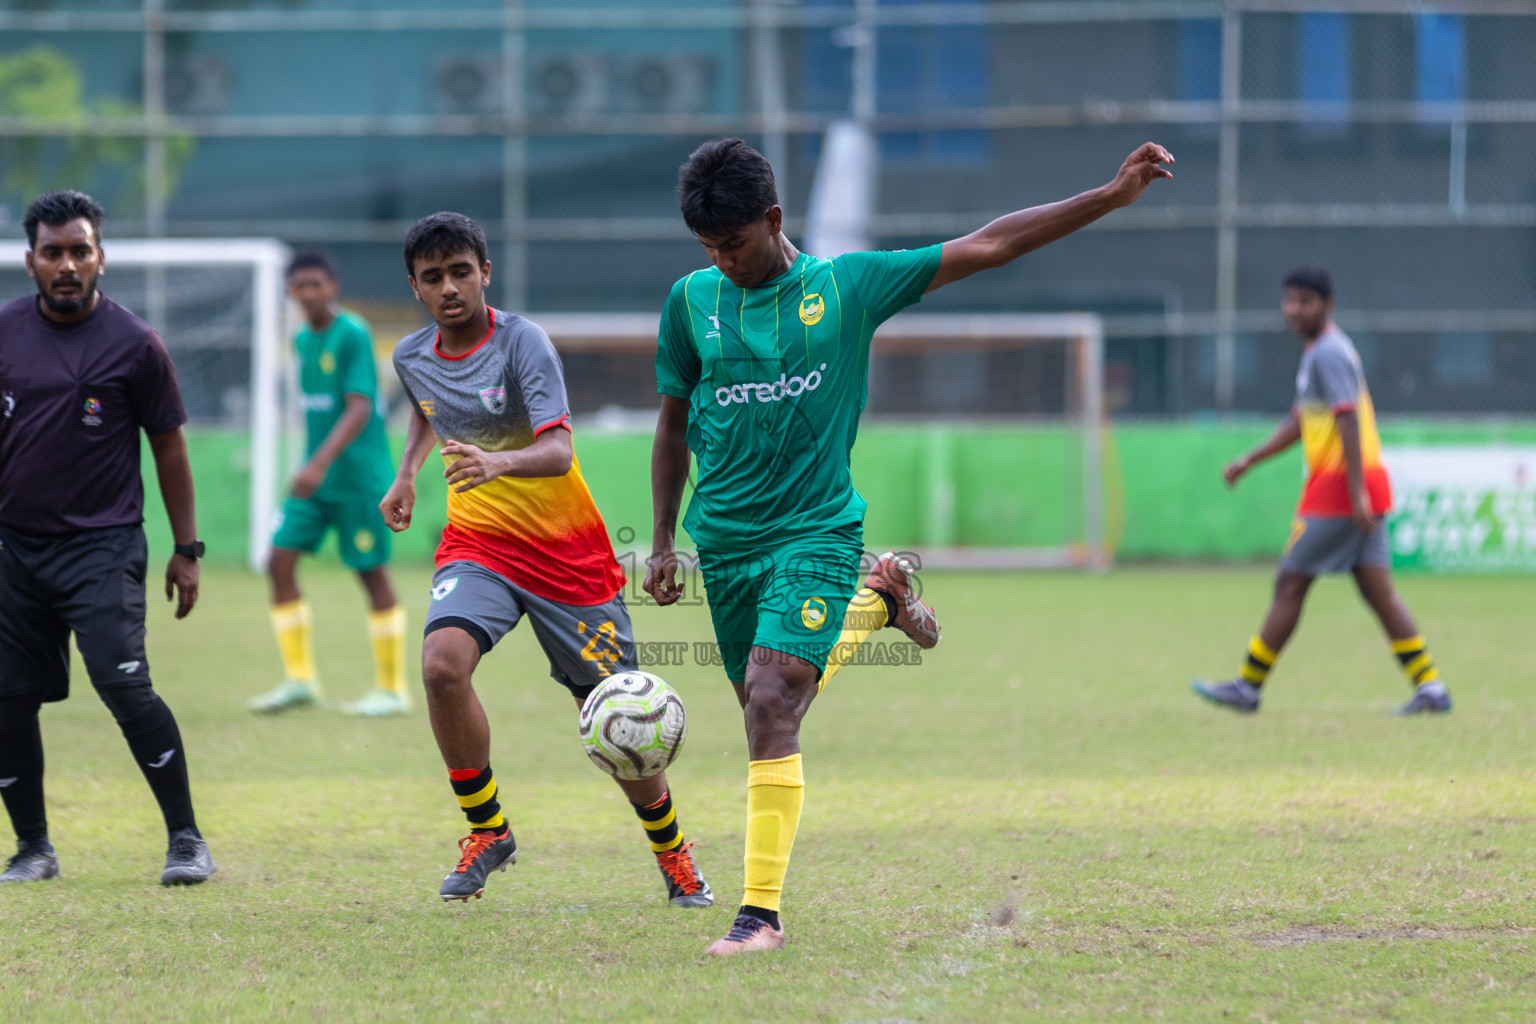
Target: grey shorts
1325, 544
585, 644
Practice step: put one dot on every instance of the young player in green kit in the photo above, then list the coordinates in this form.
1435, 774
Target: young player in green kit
347, 472
762, 364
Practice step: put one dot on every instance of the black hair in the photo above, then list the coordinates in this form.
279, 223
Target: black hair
442, 234
59, 208
1313, 279
724, 185
313, 259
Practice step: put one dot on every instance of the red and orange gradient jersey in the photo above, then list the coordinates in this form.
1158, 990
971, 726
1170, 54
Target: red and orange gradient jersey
542, 533
1331, 382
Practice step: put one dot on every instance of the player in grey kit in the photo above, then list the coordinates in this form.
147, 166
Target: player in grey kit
524, 539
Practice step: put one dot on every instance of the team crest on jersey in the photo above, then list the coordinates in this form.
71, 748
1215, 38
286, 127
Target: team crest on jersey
327, 363
811, 309
494, 400
92, 417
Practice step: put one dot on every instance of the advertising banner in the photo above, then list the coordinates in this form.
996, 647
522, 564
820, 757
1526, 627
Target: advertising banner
1463, 509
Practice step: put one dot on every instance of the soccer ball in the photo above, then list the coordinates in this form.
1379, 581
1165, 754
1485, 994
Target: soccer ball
633, 725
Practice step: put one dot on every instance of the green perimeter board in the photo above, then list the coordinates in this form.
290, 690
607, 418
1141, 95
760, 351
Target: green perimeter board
927, 485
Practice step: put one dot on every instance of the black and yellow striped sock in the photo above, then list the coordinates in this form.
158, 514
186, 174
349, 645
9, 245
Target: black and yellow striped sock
477, 792
660, 821
1418, 664
1257, 663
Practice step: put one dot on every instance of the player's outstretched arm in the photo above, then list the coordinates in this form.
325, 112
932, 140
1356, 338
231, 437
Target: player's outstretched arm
174, 470
669, 472
400, 500
1007, 238
1285, 435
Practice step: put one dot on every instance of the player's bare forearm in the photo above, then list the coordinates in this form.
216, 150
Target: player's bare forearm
1285, 435
550, 454
419, 442
669, 469
353, 421
669, 475
1009, 237
1348, 425
173, 468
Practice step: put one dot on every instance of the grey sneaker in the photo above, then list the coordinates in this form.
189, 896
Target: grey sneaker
483, 852
34, 861
685, 882
1238, 694
1429, 699
187, 860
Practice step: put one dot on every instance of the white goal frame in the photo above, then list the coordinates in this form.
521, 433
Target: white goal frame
272, 318
930, 332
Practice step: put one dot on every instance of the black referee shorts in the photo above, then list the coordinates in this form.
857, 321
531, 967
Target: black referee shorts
90, 584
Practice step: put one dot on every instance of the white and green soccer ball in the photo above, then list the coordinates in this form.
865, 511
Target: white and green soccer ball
633, 725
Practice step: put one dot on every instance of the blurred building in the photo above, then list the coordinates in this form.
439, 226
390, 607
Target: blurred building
1394, 144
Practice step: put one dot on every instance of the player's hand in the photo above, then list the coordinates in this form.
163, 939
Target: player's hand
181, 576
397, 505
661, 580
1140, 169
1235, 470
1360, 512
307, 481
473, 467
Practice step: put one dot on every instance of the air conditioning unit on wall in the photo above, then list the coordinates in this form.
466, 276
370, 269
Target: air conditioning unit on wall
467, 83
568, 83
663, 83
197, 83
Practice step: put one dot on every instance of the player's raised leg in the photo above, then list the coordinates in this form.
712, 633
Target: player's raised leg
292, 625
1245, 691
652, 802
1429, 693
889, 597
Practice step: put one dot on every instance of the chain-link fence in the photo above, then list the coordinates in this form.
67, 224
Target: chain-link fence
1394, 143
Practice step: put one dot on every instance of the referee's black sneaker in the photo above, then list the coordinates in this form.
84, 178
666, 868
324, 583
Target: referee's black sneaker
187, 860
481, 853
34, 861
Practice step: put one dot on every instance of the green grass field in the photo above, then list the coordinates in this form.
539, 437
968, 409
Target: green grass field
1038, 823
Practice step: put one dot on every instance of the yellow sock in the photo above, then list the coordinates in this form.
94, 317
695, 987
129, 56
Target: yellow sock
775, 793
387, 631
290, 623
866, 614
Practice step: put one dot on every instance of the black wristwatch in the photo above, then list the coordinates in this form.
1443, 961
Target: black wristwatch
193, 550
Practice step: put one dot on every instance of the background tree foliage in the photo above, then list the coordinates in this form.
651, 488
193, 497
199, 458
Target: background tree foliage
43, 84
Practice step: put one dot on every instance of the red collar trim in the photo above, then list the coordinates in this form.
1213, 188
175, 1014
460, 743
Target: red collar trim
491, 313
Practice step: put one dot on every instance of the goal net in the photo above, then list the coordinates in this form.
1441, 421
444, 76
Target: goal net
982, 445
220, 307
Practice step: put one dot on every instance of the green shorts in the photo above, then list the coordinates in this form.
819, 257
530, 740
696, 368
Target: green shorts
789, 599
364, 538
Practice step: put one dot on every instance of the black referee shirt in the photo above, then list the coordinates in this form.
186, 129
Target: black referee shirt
73, 398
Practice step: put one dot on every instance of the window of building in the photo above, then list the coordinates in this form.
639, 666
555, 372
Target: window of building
1462, 358
918, 70
1322, 73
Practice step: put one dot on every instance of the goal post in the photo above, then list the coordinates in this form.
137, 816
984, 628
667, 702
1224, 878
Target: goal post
1027, 388
220, 307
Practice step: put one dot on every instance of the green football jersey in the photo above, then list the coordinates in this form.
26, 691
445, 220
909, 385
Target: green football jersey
334, 363
776, 377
